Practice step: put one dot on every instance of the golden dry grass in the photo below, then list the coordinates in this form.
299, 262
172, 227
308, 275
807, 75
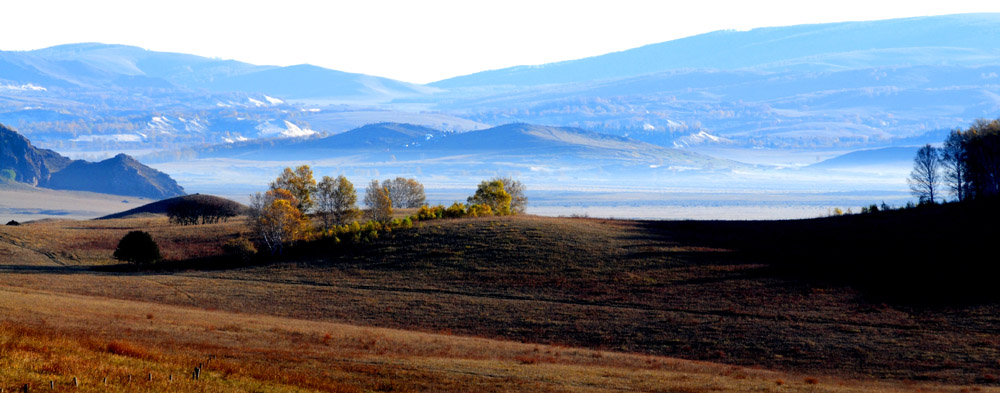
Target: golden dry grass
92, 242
47, 336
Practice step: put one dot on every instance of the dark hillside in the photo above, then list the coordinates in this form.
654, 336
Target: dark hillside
940, 254
714, 291
161, 207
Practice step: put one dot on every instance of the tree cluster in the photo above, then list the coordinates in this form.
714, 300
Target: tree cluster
968, 164
280, 216
203, 211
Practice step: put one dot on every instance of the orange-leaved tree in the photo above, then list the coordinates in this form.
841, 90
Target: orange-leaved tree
275, 220
300, 183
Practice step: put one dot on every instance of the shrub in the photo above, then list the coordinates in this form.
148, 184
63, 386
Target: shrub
7, 175
480, 210
138, 247
240, 249
456, 210
13, 223
430, 213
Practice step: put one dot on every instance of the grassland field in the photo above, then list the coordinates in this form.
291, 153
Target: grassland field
484, 304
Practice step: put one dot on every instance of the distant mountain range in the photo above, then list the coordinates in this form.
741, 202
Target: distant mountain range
885, 157
851, 84
95, 65
512, 147
121, 175
830, 86
951, 40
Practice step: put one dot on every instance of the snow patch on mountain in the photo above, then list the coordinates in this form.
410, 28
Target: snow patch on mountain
290, 130
702, 137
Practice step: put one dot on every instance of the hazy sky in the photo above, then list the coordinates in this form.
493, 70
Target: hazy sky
419, 41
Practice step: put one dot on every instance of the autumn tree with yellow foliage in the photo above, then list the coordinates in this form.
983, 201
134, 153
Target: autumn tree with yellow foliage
275, 220
300, 183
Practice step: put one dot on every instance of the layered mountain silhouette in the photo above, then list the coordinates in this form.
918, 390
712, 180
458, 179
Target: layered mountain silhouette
120, 175
96, 65
836, 86
954, 40
512, 144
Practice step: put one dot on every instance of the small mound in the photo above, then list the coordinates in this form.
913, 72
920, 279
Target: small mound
163, 206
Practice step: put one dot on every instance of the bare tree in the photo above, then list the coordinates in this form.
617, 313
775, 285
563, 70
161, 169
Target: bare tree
335, 200
516, 189
405, 193
378, 202
924, 178
954, 161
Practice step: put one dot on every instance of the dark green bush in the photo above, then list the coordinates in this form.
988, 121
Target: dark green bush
138, 247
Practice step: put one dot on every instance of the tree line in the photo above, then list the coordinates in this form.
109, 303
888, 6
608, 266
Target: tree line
285, 212
967, 165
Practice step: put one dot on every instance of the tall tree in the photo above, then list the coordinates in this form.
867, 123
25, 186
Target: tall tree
924, 178
274, 220
492, 194
954, 162
516, 190
982, 149
405, 192
300, 183
336, 200
378, 202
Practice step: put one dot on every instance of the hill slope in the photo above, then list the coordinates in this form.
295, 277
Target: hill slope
121, 175
690, 289
29, 164
163, 206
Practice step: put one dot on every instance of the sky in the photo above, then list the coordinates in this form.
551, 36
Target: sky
419, 41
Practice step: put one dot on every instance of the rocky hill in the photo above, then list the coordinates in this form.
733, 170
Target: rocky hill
120, 175
29, 164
